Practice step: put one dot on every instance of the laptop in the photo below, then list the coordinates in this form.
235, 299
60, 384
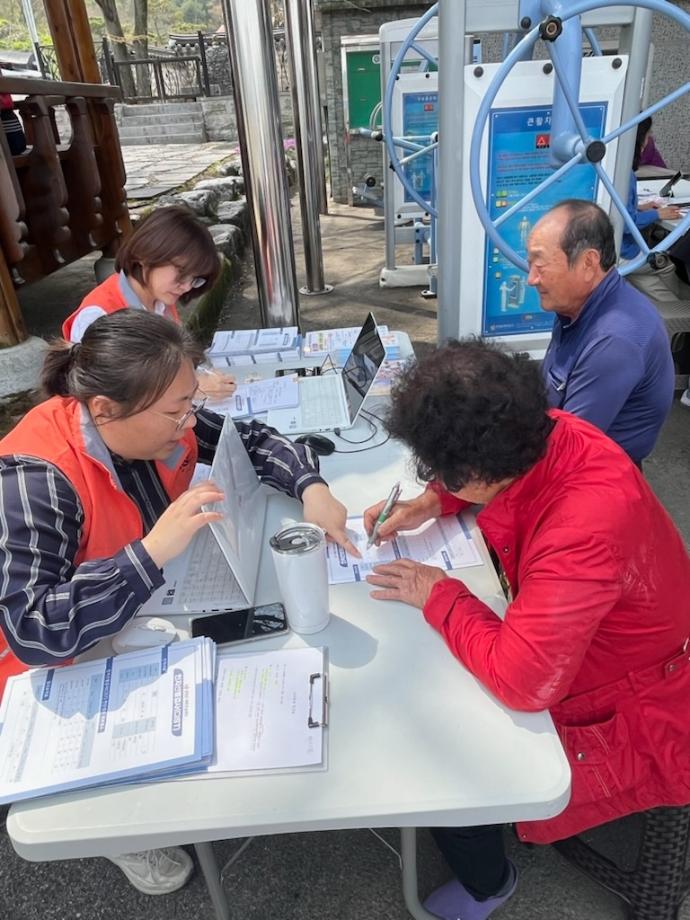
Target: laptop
219, 568
335, 400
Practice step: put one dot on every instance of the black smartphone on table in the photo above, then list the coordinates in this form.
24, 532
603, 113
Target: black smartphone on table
246, 625
666, 190
300, 371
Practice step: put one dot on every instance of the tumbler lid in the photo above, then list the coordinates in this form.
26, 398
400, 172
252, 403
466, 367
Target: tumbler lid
297, 538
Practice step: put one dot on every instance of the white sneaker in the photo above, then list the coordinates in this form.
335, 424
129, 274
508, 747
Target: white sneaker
685, 397
156, 871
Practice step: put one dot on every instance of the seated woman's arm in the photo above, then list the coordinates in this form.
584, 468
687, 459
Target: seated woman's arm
289, 467
50, 608
279, 462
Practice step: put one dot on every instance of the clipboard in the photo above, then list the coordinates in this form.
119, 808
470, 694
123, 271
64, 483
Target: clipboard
271, 711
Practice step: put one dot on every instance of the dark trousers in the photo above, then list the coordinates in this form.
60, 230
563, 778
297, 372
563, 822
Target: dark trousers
476, 855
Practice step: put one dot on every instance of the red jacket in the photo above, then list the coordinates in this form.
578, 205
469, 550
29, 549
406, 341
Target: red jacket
598, 628
115, 293
58, 432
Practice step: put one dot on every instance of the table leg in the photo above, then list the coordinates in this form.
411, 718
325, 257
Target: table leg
209, 867
408, 853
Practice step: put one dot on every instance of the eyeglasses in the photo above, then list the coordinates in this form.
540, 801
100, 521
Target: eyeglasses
190, 281
180, 422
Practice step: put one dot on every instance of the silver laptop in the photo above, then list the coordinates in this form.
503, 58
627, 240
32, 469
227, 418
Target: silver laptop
335, 400
219, 568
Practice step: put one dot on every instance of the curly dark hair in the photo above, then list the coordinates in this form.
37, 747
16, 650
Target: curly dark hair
469, 411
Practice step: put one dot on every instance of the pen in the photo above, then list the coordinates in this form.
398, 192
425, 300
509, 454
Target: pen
385, 511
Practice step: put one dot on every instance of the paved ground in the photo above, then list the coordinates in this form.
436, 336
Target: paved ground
154, 169
344, 875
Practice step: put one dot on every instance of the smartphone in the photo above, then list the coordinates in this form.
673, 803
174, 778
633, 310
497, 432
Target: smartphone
666, 190
300, 371
246, 625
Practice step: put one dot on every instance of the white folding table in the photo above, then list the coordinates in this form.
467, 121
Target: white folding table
413, 739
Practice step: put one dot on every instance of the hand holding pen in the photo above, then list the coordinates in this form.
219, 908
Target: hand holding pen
385, 513
404, 515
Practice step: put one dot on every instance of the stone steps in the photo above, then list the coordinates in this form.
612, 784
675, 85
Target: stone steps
161, 123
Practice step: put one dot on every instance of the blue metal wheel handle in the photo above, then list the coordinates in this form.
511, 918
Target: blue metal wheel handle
414, 146
571, 146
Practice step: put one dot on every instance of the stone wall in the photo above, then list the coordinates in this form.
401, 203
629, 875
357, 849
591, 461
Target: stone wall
337, 19
220, 122
670, 69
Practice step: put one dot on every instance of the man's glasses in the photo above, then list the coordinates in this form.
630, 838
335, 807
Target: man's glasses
180, 422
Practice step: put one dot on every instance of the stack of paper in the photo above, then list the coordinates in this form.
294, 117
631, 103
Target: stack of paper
445, 542
146, 714
254, 346
338, 343
259, 396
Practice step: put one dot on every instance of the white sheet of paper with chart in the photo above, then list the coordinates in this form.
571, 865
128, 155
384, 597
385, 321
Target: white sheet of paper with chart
263, 704
445, 542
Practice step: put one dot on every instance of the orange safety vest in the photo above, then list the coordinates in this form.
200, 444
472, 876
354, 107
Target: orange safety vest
109, 296
60, 431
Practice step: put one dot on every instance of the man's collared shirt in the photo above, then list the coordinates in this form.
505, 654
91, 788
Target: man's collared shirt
612, 366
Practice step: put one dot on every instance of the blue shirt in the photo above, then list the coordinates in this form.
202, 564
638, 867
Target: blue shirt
612, 366
643, 219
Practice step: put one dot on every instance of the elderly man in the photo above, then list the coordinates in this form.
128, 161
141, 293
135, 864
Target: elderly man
609, 360
597, 629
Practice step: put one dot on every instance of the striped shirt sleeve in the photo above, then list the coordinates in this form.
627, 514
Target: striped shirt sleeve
278, 461
50, 608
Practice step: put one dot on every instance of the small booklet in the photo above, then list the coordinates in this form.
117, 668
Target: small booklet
229, 342
445, 542
142, 715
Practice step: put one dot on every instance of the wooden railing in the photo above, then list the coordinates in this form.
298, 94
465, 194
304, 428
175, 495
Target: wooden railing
64, 196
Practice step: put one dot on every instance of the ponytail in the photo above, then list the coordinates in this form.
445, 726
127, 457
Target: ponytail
56, 368
131, 356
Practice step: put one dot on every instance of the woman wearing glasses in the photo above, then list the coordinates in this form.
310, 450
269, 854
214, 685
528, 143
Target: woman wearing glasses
169, 258
95, 499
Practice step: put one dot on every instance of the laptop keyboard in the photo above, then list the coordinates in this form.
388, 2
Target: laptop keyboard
209, 582
320, 402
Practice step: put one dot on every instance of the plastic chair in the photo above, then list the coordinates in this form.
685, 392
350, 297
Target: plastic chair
657, 885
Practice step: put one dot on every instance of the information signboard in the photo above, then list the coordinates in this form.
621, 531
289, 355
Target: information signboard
518, 161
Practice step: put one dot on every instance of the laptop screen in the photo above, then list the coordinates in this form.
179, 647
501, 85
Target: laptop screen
362, 365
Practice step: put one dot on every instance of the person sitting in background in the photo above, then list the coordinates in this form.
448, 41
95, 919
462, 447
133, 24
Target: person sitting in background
597, 628
609, 359
16, 139
658, 283
169, 258
95, 499
649, 155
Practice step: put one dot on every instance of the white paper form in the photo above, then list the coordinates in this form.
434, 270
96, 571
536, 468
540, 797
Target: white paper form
263, 704
259, 396
324, 341
445, 542
104, 721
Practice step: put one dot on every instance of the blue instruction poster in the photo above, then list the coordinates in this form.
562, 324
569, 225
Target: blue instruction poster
420, 118
519, 140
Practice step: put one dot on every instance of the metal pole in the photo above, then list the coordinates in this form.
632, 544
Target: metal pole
299, 34
451, 81
250, 43
204, 62
315, 89
635, 40
30, 21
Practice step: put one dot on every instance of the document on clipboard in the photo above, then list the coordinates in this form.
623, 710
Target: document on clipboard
271, 710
